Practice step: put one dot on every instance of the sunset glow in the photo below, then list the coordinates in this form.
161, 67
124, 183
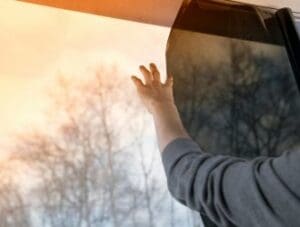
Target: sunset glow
48, 42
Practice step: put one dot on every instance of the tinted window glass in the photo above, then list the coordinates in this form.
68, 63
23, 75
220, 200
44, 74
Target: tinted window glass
236, 90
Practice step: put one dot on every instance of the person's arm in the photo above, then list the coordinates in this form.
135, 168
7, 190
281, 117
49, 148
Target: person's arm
158, 98
168, 125
262, 192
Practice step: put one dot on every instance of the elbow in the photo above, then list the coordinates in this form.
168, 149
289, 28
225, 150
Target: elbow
196, 182
184, 181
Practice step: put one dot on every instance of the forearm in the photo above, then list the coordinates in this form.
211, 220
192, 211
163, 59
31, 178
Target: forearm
168, 124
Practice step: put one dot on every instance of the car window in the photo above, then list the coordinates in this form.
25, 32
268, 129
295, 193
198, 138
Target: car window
77, 147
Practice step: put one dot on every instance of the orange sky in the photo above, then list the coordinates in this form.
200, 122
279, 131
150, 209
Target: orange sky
38, 42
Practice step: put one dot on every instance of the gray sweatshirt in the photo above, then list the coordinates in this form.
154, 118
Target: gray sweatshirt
260, 192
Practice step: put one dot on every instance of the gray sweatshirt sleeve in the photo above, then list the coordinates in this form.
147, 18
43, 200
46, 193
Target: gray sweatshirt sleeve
260, 192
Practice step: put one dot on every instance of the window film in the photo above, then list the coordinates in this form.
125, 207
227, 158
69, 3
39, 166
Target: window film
235, 89
235, 97
234, 84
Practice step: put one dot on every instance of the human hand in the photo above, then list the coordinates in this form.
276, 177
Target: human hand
154, 93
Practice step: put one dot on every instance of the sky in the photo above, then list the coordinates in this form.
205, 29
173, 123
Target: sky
46, 42
39, 43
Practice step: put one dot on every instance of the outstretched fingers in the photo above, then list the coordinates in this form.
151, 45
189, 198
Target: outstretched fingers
155, 72
152, 77
147, 74
139, 84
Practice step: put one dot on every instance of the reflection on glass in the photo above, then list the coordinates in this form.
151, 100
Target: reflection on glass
235, 97
234, 85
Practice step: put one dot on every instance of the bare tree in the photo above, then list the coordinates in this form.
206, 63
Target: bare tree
246, 105
82, 163
248, 109
13, 210
91, 165
79, 165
